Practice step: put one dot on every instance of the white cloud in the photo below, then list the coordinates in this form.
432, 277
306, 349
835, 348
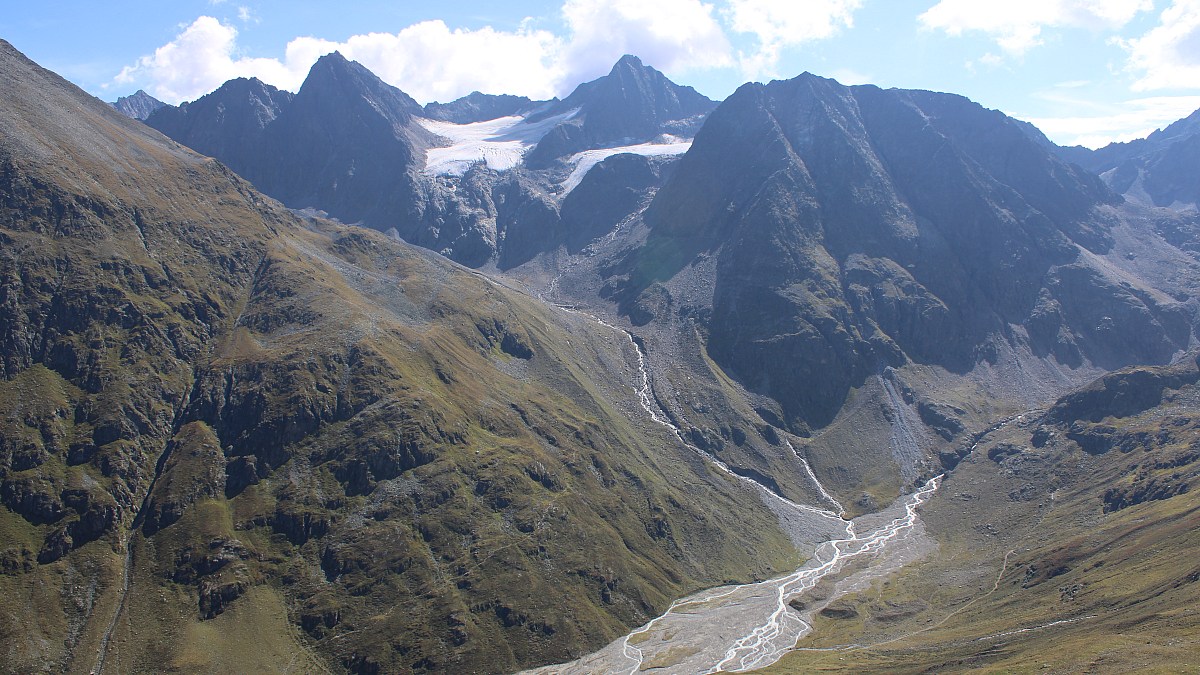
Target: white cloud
671, 35
1017, 25
989, 61
778, 24
430, 61
849, 77
199, 59
1168, 55
1126, 121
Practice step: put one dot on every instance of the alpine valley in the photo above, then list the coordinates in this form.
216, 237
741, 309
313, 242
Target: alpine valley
817, 377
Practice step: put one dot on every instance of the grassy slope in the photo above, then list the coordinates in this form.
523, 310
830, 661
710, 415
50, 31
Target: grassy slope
1025, 541
531, 529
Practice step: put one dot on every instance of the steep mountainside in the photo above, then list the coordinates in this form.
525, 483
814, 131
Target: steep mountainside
138, 105
856, 228
882, 272
227, 124
232, 438
345, 143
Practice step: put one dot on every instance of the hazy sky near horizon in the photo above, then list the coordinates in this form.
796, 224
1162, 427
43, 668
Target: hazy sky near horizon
1084, 71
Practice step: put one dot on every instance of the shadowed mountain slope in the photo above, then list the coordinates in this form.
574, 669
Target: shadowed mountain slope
843, 230
344, 144
227, 124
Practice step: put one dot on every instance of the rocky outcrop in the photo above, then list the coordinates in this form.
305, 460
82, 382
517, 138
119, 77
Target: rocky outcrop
1123, 394
945, 419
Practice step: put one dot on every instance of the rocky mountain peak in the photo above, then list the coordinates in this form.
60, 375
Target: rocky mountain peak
631, 67
138, 105
228, 123
240, 97
641, 89
252, 87
627, 61
335, 80
1178, 130
633, 103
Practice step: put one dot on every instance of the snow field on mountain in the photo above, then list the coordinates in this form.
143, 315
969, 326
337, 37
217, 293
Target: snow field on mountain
664, 146
501, 143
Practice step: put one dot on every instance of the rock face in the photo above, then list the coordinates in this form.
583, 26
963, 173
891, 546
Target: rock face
855, 228
632, 104
227, 124
344, 144
1162, 169
613, 190
212, 408
138, 105
477, 107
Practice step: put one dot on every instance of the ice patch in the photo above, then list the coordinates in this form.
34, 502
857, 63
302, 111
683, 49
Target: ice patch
664, 146
500, 143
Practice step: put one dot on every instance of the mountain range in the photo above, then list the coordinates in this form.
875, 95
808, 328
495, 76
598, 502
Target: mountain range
484, 385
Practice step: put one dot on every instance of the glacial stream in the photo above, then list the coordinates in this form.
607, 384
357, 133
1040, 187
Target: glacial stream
750, 626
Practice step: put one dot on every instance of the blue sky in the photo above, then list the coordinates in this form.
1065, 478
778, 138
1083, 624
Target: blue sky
1085, 71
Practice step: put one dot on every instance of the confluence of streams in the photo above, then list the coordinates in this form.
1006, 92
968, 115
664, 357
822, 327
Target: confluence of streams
750, 626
